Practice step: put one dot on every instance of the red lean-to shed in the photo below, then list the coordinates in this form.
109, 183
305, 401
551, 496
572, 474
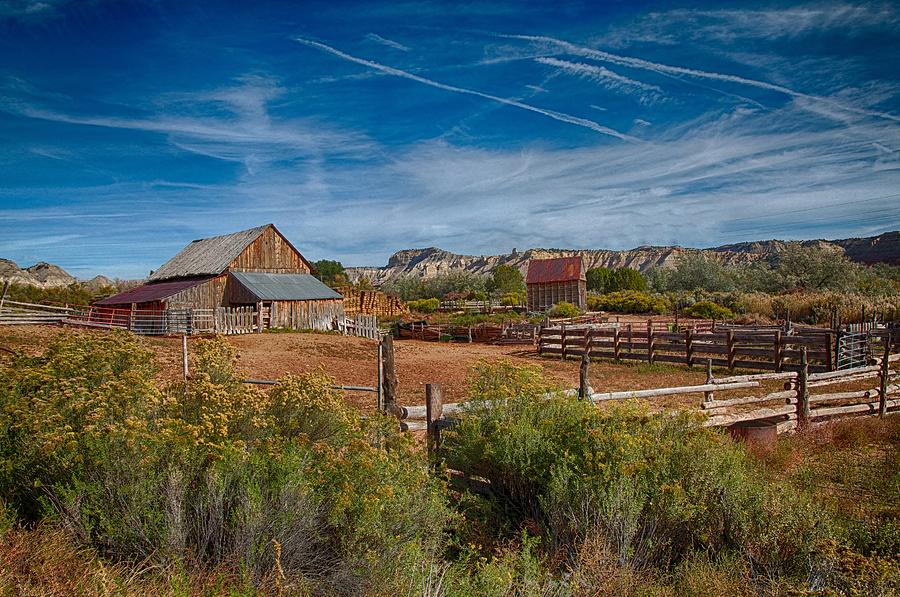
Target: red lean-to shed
552, 281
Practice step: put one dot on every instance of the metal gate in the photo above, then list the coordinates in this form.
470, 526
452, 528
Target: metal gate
852, 350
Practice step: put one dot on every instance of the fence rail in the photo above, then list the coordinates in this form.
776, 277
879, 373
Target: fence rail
221, 320
766, 350
796, 406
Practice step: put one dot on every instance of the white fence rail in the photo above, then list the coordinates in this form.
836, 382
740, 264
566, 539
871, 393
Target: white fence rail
361, 326
221, 320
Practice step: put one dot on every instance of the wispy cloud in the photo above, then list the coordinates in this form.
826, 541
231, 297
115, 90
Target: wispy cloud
606, 78
560, 116
669, 69
732, 25
248, 136
387, 42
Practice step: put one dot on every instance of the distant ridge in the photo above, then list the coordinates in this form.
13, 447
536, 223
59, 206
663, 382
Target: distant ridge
432, 261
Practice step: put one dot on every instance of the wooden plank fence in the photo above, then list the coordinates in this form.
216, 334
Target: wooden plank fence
360, 325
766, 350
797, 406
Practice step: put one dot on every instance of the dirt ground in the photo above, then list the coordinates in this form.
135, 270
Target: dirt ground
352, 361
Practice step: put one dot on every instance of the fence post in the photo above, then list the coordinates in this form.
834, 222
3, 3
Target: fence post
884, 374
389, 381
259, 317
829, 355
434, 410
562, 341
709, 396
730, 338
803, 392
616, 347
583, 383
689, 346
3, 296
184, 361
779, 355
379, 391
650, 341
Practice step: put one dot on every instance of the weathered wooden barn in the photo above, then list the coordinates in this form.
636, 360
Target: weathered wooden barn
256, 268
552, 281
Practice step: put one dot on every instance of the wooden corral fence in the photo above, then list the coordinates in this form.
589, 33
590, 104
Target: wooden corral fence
797, 406
731, 347
221, 320
360, 325
507, 333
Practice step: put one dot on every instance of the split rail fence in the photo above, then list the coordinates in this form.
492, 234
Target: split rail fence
799, 404
731, 347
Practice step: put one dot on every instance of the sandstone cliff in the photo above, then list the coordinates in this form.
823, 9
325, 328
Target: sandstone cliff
430, 262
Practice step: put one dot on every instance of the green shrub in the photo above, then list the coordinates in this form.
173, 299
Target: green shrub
429, 305
709, 310
564, 309
513, 299
207, 476
657, 489
629, 301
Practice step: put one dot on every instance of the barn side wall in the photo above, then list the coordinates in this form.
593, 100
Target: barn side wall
543, 296
270, 253
208, 295
306, 315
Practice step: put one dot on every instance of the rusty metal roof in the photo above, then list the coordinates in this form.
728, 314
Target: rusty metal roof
207, 256
155, 291
284, 287
560, 269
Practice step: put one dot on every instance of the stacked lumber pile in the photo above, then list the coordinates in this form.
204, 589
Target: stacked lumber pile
371, 302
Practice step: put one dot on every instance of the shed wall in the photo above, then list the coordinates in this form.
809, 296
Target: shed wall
208, 295
543, 296
301, 315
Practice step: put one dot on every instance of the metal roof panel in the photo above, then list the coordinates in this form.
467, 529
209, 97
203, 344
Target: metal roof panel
559, 269
284, 287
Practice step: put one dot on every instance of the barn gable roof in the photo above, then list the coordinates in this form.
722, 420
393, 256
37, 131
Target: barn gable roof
284, 287
208, 256
559, 269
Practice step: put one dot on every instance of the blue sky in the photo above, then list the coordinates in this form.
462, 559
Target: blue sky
128, 129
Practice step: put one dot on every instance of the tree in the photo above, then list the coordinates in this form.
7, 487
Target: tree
331, 272
506, 279
598, 279
694, 271
814, 268
626, 278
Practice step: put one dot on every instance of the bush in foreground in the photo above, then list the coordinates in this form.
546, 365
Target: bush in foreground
652, 492
207, 477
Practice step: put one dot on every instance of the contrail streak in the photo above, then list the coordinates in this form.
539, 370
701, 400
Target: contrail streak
690, 72
560, 116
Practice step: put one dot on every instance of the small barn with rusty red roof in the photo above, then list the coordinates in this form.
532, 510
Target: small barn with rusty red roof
552, 281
